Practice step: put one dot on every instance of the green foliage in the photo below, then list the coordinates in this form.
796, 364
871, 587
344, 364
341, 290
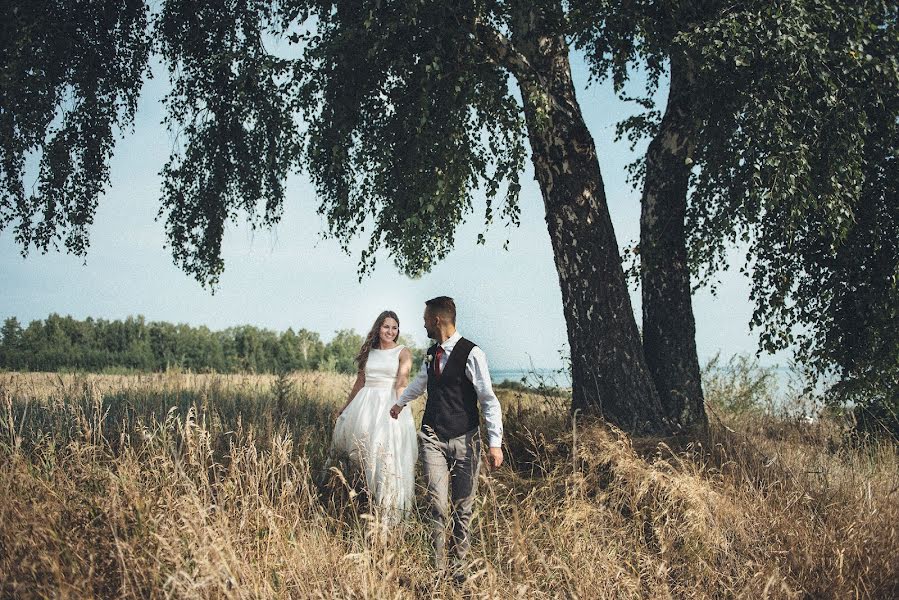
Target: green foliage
738, 386
620, 39
418, 354
406, 117
342, 351
619, 36
10, 344
877, 414
233, 104
796, 106
71, 73
393, 109
134, 345
798, 161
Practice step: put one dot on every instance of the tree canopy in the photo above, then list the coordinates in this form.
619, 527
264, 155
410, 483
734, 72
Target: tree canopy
70, 75
810, 182
795, 161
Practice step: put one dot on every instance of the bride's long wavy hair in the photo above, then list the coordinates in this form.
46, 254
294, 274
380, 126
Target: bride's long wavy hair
373, 339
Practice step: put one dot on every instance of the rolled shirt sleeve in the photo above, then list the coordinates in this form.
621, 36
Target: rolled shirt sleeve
415, 389
477, 372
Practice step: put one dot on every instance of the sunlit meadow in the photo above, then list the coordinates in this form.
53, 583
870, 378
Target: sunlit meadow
211, 486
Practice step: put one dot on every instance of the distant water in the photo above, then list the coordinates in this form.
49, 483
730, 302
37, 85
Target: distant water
534, 377
552, 377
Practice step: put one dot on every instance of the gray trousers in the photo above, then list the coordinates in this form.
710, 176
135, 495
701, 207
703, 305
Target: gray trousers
450, 471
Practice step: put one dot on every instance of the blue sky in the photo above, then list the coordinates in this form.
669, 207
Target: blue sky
508, 301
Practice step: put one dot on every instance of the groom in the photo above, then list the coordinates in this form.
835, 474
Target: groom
456, 378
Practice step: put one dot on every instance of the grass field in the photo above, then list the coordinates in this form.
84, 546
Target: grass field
208, 486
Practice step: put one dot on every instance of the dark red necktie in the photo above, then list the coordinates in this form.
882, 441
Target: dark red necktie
438, 354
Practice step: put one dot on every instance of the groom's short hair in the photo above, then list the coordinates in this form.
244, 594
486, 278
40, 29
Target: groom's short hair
443, 306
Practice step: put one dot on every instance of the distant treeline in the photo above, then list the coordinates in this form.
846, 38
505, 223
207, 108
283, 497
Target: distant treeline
62, 343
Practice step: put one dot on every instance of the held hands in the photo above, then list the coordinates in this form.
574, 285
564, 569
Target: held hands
395, 410
494, 457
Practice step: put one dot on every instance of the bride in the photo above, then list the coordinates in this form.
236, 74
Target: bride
383, 449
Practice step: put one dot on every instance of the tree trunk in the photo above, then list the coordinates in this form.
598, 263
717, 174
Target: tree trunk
610, 376
669, 331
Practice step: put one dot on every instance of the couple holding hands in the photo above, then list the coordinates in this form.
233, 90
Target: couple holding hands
379, 436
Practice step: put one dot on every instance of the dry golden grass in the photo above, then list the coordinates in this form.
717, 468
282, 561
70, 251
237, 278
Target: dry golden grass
203, 486
327, 386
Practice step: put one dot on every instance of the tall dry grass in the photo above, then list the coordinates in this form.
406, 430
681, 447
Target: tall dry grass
206, 487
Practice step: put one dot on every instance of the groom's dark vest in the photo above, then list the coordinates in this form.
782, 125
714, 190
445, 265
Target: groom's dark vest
452, 407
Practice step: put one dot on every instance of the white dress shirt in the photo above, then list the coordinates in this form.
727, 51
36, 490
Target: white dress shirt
478, 374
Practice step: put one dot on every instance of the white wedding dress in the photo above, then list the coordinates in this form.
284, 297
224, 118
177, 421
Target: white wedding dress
383, 448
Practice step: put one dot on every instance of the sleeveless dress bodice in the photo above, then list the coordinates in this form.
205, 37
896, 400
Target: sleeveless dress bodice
381, 367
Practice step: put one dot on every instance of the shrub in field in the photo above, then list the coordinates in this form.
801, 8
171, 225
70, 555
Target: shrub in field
739, 385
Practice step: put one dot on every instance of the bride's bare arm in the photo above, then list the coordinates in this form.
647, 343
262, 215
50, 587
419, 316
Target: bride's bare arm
402, 373
360, 383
